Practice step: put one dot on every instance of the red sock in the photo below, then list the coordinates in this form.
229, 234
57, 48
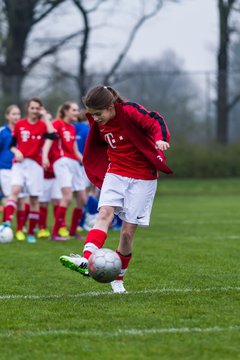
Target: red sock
95, 240
33, 221
76, 217
20, 219
43, 217
55, 207
59, 219
26, 211
8, 210
125, 261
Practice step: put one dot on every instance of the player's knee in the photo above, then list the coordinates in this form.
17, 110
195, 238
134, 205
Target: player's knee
105, 214
67, 199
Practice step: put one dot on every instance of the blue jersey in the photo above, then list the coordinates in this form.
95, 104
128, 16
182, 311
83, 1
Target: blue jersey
6, 156
82, 131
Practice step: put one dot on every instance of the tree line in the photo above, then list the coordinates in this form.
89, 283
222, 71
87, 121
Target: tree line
175, 95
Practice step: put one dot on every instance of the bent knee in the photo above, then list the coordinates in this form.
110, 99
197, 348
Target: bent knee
106, 213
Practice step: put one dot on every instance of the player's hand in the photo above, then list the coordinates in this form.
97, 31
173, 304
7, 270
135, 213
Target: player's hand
162, 145
45, 163
45, 116
80, 157
19, 156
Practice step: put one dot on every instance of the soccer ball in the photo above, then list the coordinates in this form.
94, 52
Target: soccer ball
6, 234
104, 265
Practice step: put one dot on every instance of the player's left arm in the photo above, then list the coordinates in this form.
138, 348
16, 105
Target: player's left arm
77, 152
47, 119
152, 123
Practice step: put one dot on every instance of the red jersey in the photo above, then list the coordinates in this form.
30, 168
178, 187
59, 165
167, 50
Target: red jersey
63, 146
143, 129
29, 138
124, 158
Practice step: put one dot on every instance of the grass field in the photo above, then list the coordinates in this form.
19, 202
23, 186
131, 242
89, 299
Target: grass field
183, 282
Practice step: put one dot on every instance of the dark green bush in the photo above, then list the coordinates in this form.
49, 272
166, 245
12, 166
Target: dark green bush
204, 161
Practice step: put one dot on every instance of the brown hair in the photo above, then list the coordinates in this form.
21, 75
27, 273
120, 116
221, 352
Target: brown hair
63, 108
35, 99
101, 97
9, 109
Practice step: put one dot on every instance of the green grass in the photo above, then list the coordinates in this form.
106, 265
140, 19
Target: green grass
183, 283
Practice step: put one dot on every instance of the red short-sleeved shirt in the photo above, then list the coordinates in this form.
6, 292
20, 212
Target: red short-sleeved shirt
64, 144
29, 138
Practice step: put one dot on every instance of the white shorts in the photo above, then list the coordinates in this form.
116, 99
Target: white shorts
29, 175
132, 198
68, 174
51, 190
86, 180
5, 183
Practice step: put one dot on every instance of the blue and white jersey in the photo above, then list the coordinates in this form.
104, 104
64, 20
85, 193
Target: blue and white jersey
82, 131
6, 156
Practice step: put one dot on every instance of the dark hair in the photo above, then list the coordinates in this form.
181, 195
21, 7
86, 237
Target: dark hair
101, 97
35, 99
82, 116
63, 108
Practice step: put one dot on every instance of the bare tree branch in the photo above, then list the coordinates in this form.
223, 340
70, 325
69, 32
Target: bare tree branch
234, 102
129, 41
54, 4
53, 49
65, 73
97, 5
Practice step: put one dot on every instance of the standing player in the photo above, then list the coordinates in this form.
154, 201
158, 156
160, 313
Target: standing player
82, 130
123, 154
12, 114
51, 195
27, 173
66, 158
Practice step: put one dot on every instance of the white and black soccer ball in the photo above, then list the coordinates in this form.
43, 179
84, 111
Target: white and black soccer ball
104, 265
6, 234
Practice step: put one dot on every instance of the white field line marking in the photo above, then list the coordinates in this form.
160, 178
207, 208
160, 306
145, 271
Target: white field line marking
101, 293
202, 222
118, 332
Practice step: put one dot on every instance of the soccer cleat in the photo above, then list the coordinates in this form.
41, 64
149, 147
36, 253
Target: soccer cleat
76, 236
6, 223
31, 239
63, 232
20, 236
117, 287
75, 262
59, 238
43, 234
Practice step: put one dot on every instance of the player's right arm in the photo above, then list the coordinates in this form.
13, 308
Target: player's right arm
49, 137
13, 145
45, 151
17, 153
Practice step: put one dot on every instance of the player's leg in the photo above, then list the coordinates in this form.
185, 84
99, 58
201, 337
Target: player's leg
33, 219
11, 204
16, 179
94, 240
79, 187
60, 232
20, 235
124, 251
81, 199
64, 178
138, 203
111, 197
34, 187
44, 200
